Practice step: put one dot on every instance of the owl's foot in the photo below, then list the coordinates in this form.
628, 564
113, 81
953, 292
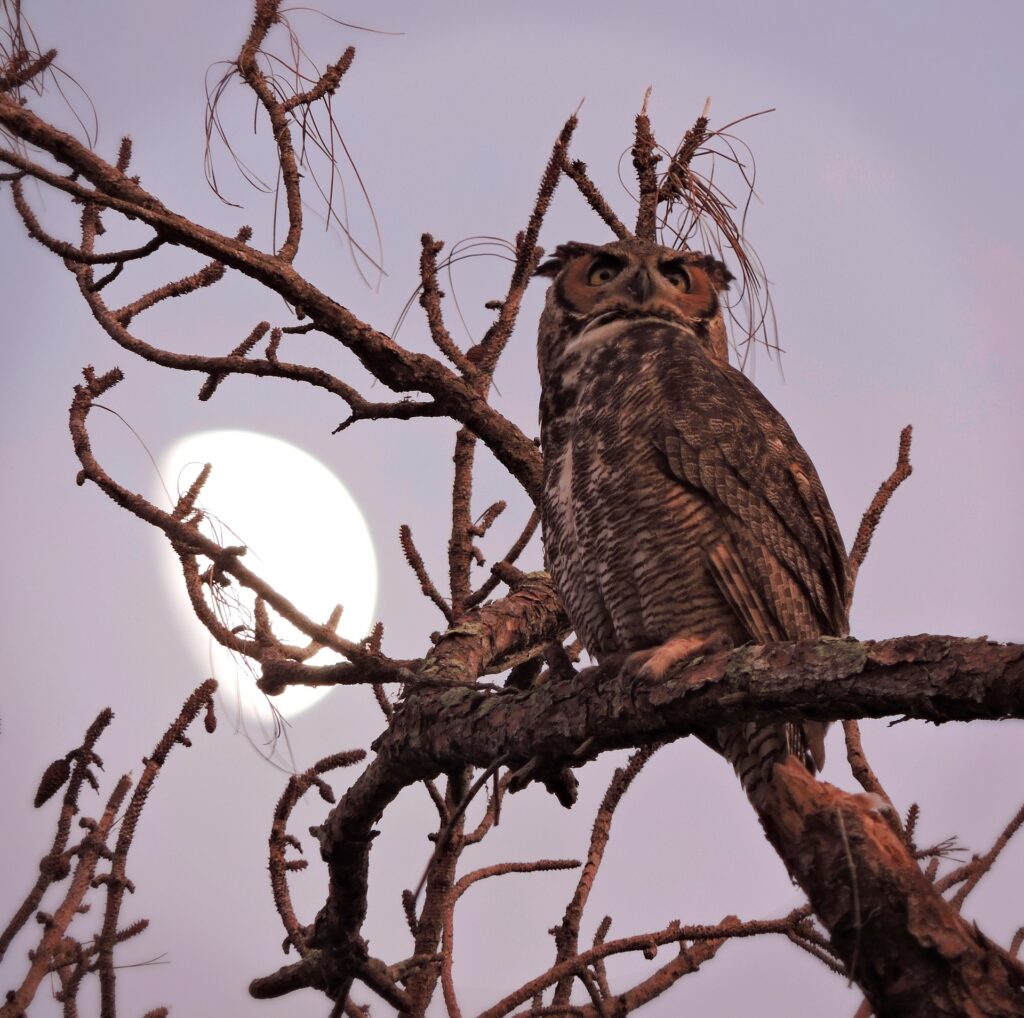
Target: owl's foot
654, 662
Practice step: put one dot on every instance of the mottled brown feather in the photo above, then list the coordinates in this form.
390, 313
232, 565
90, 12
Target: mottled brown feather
677, 500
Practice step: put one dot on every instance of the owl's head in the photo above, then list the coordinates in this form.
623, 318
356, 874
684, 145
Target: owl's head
593, 285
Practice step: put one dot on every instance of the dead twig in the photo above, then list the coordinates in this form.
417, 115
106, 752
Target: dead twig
415, 560
567, 932
873, 514
281, 840
971, 873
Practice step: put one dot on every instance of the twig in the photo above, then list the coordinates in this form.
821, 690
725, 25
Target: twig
445, 833
671, 934
430, 301
478, 596
91, 850
910, 826
214, 380
675, 183
415, 560
460, 888
55, 864
280, 839
971, 873
491, 814
206, 276
248, 66
567, 933
645, 161
576, 171
187, 539
460, 542
873, 514
489, 349
864, 773
200, 701
69, 251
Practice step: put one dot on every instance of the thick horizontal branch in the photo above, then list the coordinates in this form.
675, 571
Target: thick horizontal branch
934, 678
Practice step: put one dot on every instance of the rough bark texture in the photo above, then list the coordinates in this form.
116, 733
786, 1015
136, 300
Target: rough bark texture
904, 945
934, 678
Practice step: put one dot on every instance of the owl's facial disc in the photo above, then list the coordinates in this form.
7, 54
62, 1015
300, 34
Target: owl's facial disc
629, 281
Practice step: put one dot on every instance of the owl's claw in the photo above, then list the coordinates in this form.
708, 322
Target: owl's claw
653, 662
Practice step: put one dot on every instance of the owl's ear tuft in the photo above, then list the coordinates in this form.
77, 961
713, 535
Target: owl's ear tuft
563, 253
719, 275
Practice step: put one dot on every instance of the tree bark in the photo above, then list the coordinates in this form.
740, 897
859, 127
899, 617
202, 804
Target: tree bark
906, 947
902, 942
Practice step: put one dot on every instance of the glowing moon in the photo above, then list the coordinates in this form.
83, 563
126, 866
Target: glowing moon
305, 536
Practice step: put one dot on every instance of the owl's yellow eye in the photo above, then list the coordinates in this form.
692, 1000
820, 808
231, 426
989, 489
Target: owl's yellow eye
675, 274
604, 270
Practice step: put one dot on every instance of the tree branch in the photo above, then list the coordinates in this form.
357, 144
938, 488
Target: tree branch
933, 678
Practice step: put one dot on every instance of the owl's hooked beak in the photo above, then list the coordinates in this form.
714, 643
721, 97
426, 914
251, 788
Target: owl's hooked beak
641, 286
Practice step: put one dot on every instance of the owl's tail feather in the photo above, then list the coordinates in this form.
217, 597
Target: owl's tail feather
755, 748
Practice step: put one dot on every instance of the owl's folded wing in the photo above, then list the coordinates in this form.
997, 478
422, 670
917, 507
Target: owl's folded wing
784, 569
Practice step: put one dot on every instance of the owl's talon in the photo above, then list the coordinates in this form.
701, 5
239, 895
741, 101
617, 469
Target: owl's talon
652, 663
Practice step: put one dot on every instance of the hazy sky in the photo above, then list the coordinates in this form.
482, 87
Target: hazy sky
889, 222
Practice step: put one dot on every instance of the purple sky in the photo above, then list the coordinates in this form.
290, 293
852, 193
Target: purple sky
889, 223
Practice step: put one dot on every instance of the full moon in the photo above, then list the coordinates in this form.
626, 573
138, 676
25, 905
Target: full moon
305, 536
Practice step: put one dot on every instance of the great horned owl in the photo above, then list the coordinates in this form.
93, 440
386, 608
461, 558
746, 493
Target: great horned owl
679, 510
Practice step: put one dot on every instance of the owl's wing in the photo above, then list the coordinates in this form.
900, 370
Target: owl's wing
784, 567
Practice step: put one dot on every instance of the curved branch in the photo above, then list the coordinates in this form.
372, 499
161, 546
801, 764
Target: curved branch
185, 536
400, 369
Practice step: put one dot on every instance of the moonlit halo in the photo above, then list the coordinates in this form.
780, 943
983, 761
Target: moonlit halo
305, 536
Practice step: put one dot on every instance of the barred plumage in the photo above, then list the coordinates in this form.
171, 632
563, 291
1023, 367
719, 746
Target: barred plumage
679, 508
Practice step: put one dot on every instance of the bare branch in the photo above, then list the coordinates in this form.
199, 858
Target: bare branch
200, 701
399, 369
187, 539
430, 301
674, 933
645, 160
297, 786
326, 85
568, 931
483, 591
460, 888
266, 15
460, 543
415, 560
865, 775
69, 251
576, 170
90, 852
55, 865
676, 182
873, 514
971, 873
24, 68
240, 351
485, 355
